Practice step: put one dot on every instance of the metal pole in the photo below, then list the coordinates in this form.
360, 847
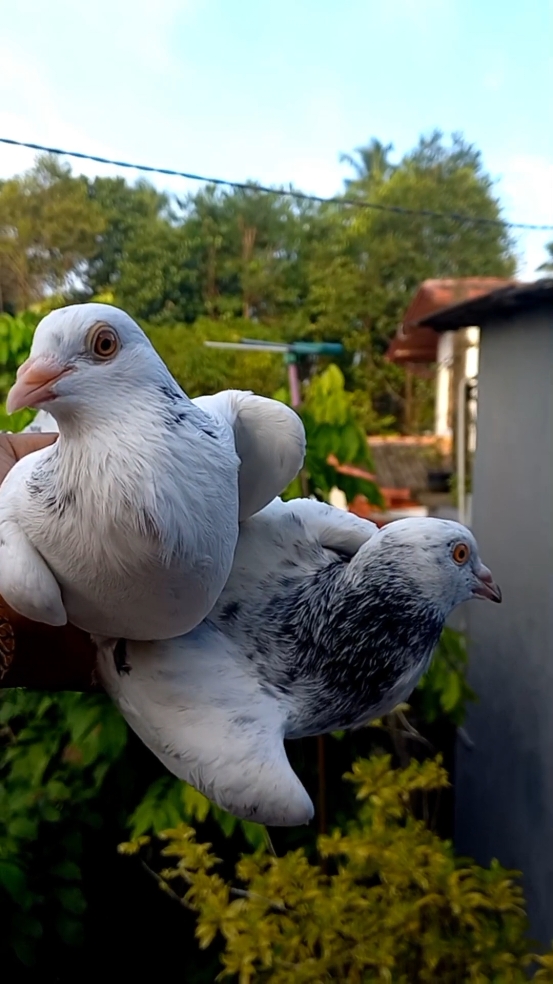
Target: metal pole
462, 450
294, 382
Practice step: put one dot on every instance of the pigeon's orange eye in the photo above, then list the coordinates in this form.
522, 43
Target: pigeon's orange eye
461, 553
104, 343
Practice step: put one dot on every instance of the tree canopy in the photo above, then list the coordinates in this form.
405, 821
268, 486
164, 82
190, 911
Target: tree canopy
290, 269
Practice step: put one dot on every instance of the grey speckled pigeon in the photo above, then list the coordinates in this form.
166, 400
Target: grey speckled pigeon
325, 623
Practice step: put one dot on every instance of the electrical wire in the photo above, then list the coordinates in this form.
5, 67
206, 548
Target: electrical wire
282, 192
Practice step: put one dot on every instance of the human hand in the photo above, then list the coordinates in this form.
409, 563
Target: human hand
32, 655
16, 446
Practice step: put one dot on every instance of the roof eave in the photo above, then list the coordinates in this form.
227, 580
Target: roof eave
498, 303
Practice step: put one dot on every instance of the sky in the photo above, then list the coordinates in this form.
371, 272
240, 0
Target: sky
276, 91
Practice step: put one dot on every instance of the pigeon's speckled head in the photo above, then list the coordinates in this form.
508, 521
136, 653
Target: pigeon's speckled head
84, 356
438, 557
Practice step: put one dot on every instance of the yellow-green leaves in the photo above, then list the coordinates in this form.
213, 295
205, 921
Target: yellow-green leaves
395, 904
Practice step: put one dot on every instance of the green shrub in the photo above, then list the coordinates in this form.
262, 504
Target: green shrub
398, 906
16, 335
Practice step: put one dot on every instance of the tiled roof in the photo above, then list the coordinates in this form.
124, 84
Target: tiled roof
416, 342
507, 299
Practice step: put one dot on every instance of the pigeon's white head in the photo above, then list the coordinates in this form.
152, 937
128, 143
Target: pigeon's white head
439, 558
86, 357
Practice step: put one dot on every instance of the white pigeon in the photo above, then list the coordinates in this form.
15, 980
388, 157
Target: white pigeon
127, 525
325, 623
269, 438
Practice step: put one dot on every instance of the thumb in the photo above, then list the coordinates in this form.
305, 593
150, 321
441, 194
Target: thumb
16, 446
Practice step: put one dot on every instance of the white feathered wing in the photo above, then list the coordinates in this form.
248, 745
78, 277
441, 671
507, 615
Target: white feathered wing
270, 442
197, 701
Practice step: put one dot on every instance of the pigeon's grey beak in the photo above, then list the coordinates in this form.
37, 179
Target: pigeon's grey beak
487, 588
33, 385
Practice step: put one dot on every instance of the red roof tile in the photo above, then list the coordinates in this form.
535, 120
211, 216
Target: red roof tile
416, 343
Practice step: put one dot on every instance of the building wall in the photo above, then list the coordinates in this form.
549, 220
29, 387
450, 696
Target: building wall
457, 358
472, 356
505, 784
444, 364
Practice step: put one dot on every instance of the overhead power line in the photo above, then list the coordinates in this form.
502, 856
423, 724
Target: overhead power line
282, 192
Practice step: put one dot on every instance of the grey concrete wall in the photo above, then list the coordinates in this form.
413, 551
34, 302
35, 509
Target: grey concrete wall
505, 784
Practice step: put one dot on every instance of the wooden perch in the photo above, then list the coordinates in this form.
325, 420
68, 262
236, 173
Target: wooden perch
40, 657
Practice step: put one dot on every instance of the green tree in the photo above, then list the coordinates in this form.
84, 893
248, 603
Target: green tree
371, 165
251, 251
48, 232
129, 211
158, 277
333, 434
365, 267
547, 267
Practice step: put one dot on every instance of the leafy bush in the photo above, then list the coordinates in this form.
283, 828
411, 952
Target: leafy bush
332, 428
398, 905
58, 751
66, 757
444, 690
16, 335
201, 370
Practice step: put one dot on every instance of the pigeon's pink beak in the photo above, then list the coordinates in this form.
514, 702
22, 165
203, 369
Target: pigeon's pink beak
487, 588
34, 382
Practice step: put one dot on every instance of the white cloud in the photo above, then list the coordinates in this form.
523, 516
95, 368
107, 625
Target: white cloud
84, 78
526, 189
30, 110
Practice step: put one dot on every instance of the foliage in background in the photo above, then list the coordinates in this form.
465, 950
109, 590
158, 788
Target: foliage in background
16, 335
290, 270
202, 370
397, 905
67, 770
49, 229
57, 752
444, 690
332, 429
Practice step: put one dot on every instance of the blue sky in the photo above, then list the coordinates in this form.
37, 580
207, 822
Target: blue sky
275, 91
